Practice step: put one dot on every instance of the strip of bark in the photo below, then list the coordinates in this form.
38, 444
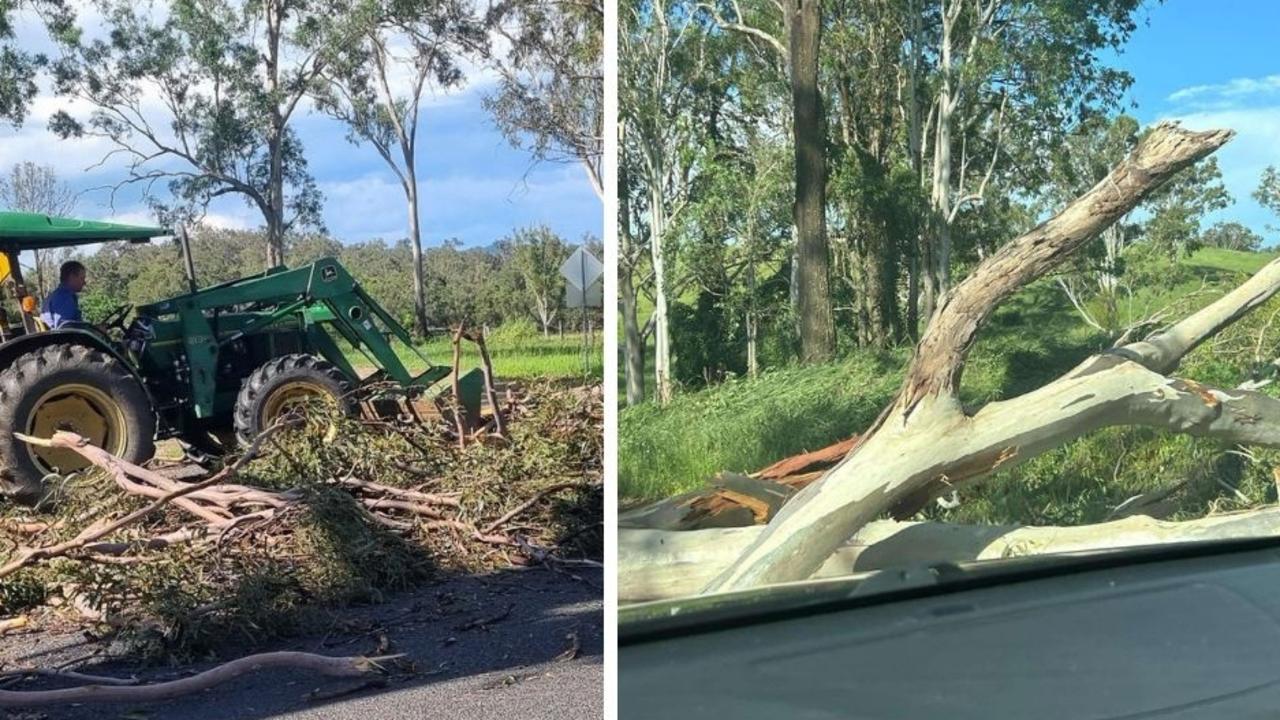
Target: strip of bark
100, 693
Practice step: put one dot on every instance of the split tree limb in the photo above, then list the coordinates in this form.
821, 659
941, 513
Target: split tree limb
925, 441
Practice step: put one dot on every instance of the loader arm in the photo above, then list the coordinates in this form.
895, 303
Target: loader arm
317, 294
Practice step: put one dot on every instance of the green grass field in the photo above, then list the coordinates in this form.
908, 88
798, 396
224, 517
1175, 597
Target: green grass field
744, 424
1232, 260
514, 355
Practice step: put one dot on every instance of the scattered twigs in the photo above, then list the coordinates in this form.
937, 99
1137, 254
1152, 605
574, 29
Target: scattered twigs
530, 503
102, 692
412, 495
469, 509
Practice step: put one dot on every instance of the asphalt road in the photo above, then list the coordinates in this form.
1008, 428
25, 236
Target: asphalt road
513, 645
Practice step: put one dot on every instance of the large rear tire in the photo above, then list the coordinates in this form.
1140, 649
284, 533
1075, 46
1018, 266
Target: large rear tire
75, 388
286, 383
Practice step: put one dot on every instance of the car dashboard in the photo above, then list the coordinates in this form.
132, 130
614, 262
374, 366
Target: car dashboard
1189, 633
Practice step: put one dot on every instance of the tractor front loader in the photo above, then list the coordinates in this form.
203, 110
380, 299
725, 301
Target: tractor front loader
230, 357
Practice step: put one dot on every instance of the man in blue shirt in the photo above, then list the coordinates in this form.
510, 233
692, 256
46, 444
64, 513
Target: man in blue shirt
63, 306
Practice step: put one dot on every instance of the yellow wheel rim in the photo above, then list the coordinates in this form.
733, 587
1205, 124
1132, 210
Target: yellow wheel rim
294, 397
84, 410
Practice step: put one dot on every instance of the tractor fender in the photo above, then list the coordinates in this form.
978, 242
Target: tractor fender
24, 344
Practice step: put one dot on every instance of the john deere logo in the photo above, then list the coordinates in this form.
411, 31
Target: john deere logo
328, 273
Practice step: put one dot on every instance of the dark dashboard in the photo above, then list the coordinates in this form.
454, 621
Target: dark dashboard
1181, 634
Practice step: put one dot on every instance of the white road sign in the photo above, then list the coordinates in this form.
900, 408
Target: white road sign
581, 269
573, 297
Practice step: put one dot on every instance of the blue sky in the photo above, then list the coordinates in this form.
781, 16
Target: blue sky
473, 185
1206, 63
1210, 64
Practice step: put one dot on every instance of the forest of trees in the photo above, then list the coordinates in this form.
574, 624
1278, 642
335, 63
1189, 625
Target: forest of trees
201, 101
800, 179
514, 279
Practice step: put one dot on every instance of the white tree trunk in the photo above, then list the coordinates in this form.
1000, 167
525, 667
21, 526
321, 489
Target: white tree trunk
658, 564
661, 330
938, 270
415, 237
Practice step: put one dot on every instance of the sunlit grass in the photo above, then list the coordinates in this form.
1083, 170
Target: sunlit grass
743, 425
514, 355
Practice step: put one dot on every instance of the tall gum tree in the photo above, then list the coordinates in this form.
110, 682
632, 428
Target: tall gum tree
660, 55
550, 98
376, 83
792, 30
993, 83
202, 97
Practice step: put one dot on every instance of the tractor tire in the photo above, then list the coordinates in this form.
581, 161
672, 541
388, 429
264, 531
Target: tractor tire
266, 393
68, 387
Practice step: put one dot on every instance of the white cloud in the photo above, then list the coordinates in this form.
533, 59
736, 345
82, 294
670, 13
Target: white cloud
1243, 159
1227, 94
475, 209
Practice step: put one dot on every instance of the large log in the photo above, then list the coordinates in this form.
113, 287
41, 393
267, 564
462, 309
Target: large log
657, 564
925, 441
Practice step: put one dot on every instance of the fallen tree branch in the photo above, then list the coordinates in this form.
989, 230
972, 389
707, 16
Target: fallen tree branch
657, 564
103, 693
528, 504
925, 442
413, 495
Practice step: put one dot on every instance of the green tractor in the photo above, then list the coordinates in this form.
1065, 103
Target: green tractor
215, 360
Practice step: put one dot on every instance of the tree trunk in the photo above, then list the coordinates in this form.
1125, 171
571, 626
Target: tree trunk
915, 147
661, 330
415, 239
275, 140
753, 322
817, 329
661, 564
925, 442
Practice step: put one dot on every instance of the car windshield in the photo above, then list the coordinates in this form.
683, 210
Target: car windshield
879, 314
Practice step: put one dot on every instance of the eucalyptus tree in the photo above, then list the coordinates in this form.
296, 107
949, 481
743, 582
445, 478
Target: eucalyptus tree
631, 282
1231, 236
663, 70
375, 85
19, 66
791, 31
1178, 208
1000, 81
1083, 159
550, 99
743, 221
201, 96
36, 188
1268, 192
536, 254
872, 192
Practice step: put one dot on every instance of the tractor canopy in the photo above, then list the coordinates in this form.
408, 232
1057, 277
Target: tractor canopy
32, 231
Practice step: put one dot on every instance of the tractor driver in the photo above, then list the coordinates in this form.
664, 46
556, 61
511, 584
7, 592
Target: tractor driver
63, 304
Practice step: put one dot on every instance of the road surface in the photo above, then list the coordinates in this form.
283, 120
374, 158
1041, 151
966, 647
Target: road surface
472, 659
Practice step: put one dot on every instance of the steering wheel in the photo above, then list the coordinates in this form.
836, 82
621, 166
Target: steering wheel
115, 319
